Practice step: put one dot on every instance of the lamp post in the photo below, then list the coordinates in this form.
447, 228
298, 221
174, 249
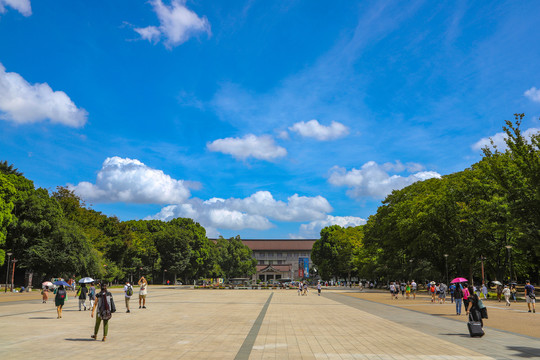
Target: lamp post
509, 248
13, 272
7, 270
410, 274
164, 272
446, 265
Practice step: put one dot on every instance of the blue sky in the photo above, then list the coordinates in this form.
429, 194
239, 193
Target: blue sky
263, 119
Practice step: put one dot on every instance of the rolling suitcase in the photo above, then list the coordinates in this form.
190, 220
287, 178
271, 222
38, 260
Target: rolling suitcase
475, 328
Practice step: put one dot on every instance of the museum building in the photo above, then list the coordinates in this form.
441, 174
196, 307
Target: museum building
281, 259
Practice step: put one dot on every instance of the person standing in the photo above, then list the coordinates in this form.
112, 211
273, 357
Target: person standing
392, 290
319, 288
432, 291
299, 288
442, 293
513, 291
82, 296
458, 296
128, 292
506, 293
499, 292
106, 307
143, 291
413, 288
45, 294
408, 290
59, 299
529, 296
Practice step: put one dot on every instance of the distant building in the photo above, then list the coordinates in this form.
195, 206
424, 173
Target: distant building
281, 259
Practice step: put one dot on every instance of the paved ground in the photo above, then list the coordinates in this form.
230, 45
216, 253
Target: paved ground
252, 324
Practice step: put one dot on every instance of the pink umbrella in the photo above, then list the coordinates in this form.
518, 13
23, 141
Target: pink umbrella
458, 280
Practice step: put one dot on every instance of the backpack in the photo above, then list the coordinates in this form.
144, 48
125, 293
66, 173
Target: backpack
129, 290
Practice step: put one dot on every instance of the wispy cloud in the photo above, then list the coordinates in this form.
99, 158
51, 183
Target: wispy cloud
533, 94
253, 212
22, 6
318, 131
373, 180
499, 140
23, 103
259, 147
176, 24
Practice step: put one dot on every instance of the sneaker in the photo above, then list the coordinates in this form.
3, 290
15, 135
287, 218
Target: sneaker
529, 310
144, 307
534, 310
127, 311
139, 306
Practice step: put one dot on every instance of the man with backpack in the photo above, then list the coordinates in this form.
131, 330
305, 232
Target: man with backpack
81, 294
128, 293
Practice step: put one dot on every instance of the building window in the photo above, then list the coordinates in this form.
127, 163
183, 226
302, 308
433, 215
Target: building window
270, 254
279, 255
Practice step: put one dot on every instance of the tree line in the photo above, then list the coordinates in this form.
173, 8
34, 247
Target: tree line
488, 214
56, 235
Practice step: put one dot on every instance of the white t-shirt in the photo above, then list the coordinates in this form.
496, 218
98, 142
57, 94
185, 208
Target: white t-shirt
413, 284
143, 290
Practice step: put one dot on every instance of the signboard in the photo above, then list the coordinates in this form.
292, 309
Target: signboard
303, 267
306, 267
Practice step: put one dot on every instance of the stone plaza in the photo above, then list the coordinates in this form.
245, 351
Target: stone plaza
182, 323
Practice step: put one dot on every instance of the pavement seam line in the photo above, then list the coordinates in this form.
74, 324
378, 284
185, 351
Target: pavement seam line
249, 341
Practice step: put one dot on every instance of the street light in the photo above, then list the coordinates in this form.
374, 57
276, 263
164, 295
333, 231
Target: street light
7, 270
446, 263
509, 247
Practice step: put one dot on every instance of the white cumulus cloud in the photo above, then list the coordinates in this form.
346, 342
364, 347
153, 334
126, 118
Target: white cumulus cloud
313, 229
22, 6
533, 94
373, 180
176, 23
23, 103
253, 212
260, 147
131, 181
320, 132
499, 140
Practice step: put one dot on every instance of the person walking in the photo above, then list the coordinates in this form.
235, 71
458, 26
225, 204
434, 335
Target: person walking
513, 291
299, 288
499, 292
458, 296
529, 296
408, 290
402, 288
81, 294
392, 290
92, 295
45, 294
452, 289
128, 292
473, 309
432, 291
506, 293
143, 291
442, 293
466, 295
414, 286
106, 307
59, 300
485, 291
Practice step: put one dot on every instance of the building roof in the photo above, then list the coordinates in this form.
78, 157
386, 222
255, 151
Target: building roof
281, 268
284, 245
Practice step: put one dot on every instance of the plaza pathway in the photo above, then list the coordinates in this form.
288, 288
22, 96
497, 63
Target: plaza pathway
250, 324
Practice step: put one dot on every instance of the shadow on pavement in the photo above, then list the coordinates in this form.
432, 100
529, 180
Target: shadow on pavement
41, 318
462, 335
525, 352
85, 339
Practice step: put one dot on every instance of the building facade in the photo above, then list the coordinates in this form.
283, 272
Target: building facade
281, 259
